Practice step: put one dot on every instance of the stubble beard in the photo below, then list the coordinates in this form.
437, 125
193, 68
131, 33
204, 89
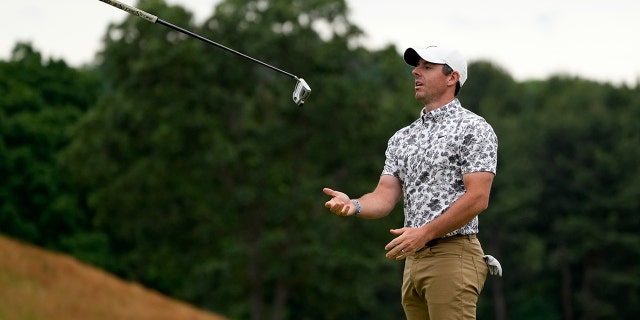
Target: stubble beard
422, 97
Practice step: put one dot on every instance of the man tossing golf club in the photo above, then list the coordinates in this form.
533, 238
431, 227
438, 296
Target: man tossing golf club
443, 165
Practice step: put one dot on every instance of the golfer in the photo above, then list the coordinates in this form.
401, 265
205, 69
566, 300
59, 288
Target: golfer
443, 165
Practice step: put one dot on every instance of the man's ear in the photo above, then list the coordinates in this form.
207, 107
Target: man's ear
454, 77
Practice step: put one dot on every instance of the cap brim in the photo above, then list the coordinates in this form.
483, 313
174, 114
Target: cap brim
411, 57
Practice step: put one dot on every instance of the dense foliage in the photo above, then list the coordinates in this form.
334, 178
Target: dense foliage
188, 169
40, 101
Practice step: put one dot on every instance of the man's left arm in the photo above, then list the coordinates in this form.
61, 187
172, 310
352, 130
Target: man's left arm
470, 204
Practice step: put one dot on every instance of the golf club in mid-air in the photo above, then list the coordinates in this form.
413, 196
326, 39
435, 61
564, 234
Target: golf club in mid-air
301, 91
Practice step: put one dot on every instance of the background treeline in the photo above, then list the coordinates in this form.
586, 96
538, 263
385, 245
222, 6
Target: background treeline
187, 169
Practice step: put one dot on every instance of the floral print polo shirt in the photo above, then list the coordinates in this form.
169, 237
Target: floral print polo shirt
430, 155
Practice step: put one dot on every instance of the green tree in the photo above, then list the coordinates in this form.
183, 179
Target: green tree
562, 203
590, 195
40, 101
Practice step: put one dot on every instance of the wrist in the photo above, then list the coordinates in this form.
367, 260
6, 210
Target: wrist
358, 207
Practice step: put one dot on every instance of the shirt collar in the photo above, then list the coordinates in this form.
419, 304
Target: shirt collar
440, 113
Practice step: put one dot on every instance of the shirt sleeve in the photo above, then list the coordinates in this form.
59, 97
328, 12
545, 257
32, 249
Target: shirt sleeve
479, 149
391, 161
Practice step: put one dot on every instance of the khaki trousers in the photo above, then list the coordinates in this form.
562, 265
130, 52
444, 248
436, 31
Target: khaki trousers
443, 280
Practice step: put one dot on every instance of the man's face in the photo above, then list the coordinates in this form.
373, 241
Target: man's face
430, 82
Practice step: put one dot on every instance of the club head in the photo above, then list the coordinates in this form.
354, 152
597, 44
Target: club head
301, 92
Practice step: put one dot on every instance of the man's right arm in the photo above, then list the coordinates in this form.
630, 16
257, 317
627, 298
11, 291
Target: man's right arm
374, 205
382, 200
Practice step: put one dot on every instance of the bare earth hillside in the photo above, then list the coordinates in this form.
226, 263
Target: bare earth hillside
36, 284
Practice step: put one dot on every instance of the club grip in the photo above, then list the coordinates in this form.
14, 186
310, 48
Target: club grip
133, 10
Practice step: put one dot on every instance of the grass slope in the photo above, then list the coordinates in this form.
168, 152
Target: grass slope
36, 284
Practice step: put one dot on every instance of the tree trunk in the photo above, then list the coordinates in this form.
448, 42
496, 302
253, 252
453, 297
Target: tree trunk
255, 278
589, 299
567, 294
256, 263
499, 302
497, 291
279, 301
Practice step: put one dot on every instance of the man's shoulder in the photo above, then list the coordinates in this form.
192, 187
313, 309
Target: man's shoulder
466, 113
405, 133
470, 117
409, 127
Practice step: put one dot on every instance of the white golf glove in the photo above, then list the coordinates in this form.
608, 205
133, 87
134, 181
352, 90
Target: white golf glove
494, 265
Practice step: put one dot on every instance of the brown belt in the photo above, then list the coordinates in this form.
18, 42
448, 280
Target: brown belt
451, 238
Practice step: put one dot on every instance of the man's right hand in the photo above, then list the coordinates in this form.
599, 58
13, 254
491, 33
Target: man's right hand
340, 203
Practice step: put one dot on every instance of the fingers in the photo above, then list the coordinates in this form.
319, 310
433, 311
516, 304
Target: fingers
396, 241
339, 204
399, 252
397, 248
338, 208
329, 192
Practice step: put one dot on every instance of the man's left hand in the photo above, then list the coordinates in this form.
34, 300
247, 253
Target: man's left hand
408, 241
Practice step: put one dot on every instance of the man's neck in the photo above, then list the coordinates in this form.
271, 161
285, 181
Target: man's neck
433, 105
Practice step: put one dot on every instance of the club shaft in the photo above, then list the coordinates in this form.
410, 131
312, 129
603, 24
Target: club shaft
154, 19
199, 37
132, 10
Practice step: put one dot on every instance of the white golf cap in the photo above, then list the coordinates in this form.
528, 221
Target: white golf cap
439, 55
